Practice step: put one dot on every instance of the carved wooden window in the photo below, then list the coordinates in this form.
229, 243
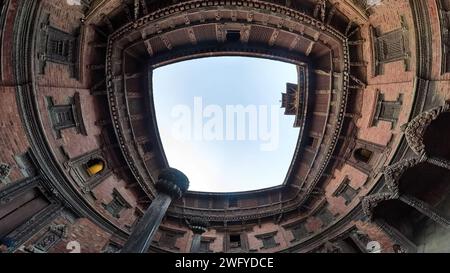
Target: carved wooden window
61, 46
444, 14
268, 240
117, 204
63, 117
235, 242
363, 155
390, 47
89, 169
346, 191
67, 115
387, 110
57, 46
58, 49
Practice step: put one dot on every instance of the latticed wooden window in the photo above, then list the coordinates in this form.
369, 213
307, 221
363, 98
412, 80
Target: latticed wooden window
61, 46
390, 47
62, 117
58, 48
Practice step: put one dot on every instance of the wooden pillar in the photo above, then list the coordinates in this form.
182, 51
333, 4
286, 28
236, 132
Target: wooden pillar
172, 184
198, 226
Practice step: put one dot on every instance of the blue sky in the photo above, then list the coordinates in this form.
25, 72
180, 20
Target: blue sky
226, 164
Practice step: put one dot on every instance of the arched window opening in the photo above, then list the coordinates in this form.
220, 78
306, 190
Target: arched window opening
95, 166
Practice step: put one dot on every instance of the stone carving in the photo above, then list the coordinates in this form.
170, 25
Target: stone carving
54, 234
392, 176
394, 172
370, 202
416, 129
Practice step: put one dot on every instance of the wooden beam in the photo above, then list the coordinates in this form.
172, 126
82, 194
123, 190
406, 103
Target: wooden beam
166, 42
245, 34
294, 43
149, 47
310, 48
